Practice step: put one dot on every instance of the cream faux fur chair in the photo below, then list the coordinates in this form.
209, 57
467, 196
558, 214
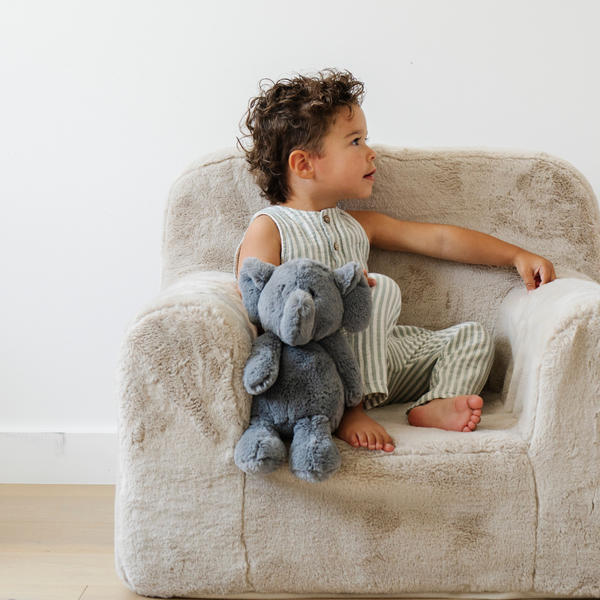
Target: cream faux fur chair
512, 508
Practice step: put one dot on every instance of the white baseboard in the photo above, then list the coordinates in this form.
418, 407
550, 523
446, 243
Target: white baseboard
79, 458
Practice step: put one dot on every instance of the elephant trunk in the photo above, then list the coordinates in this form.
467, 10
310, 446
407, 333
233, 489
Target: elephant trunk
298, 322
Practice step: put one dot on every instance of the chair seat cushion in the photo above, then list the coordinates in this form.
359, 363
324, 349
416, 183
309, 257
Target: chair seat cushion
434, 510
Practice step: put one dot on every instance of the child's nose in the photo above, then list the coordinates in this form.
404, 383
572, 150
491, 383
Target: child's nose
372, 153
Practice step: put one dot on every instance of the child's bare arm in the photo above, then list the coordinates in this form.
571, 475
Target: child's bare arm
261, 240
453, 243
468, 246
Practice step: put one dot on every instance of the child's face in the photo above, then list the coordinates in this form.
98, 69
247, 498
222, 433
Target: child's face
346, 168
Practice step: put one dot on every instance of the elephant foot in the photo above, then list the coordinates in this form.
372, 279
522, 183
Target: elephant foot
314, 456
260, 450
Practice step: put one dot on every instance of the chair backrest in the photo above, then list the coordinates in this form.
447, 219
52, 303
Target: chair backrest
532, 200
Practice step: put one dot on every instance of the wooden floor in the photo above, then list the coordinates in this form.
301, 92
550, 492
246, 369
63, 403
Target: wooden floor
56, 543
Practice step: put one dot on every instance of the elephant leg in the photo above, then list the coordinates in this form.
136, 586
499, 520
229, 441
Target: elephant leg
314, 456
260, 450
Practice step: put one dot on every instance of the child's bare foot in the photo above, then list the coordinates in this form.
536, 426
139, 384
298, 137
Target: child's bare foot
461, 413
360, 430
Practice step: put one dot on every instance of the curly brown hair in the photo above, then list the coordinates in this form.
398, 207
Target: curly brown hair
293, 114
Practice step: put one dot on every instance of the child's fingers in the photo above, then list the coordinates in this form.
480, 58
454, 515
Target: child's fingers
372, 282
547, 274
529, 280
544, 276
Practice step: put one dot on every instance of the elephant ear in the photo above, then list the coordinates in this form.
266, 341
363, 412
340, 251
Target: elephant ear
254, 275
356, 296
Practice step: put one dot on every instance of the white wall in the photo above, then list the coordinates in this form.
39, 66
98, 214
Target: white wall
103, 103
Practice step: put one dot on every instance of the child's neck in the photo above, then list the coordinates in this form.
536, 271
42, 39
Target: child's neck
309, 203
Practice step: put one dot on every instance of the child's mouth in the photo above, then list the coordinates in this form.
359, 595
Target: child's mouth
370, 176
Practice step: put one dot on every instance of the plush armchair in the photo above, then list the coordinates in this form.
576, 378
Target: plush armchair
512, 508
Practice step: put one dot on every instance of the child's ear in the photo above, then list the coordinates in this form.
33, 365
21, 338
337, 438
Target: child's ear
300, 164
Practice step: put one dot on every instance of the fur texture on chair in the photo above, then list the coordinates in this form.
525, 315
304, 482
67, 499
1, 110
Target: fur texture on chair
511, 508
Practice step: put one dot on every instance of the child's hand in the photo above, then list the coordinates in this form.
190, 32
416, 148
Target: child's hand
534, 270
370, 280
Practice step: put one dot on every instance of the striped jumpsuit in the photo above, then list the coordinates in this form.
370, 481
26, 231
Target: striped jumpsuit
398, 363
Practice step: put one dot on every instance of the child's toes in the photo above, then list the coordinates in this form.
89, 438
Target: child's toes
475, 402
382, 439
388, 443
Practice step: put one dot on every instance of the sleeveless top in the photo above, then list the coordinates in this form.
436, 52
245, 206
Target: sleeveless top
330, 236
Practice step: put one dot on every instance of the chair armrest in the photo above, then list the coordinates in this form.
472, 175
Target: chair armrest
182, 407
555, 385
550, 319
191, 342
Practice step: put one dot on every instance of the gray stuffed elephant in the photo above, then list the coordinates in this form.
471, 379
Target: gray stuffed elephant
301, 371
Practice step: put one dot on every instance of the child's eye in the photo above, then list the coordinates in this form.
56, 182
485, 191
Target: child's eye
356, 141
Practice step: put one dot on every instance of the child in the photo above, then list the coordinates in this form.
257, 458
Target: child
308, 152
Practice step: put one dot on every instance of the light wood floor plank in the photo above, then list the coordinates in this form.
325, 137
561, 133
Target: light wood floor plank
57, 509
32, 489
41, 592
110, 592
56, 537
52, 568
